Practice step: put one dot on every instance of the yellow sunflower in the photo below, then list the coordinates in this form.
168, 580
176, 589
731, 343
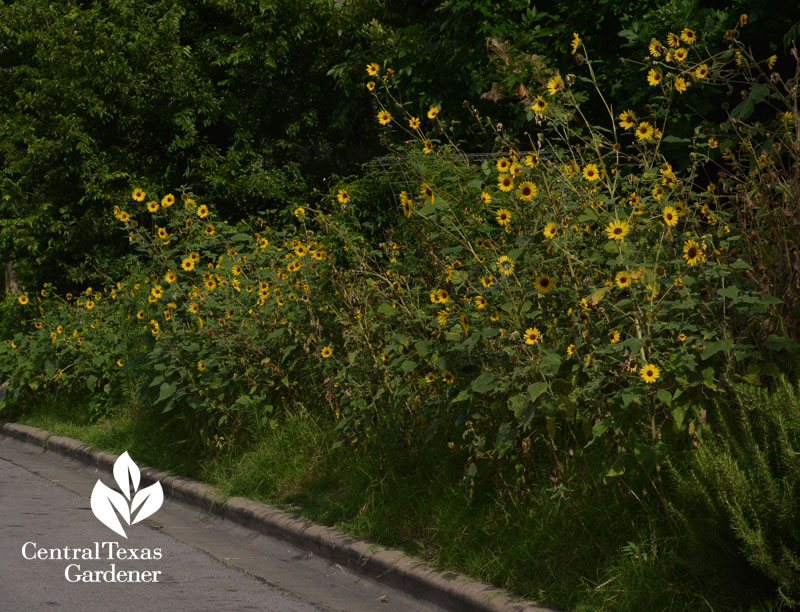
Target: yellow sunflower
617, 230
544, 284
531, 335
655, 48
658, 192
627, 119
527, 191
645, 131
650, 373
539, 105
413, 123
555, 85
688, 36
550, 230
701, 71
384, 117
576, 41
591, 173
505, 182
432, 112
623, 280
670, 216
654, 77
440, 296
138, 195
505, 265
673, 40
503, 217
693, 253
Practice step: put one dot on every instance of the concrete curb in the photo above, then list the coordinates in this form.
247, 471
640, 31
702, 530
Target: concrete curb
392, 567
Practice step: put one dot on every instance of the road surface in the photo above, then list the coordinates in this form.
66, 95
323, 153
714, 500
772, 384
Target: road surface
54, 554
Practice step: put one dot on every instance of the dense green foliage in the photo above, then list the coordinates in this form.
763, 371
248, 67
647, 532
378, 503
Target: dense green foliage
231, 98
746, 476
573, 248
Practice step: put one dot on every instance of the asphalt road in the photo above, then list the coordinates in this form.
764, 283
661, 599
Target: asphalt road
204, 563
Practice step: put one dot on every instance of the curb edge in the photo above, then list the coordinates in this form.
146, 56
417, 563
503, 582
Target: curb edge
394, 568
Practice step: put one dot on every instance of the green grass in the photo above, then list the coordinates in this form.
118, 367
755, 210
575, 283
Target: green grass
600, 551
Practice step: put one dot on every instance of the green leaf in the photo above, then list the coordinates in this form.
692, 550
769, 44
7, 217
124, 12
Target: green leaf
675, 139
408, 365
387, 309
664, 396
599, 428
729, 292
679, 413
536, 389
778, 343
423, 348
485, 382
616, 470
427, 210
747, 106
550, 362
598, 295
630, 35
166, 391
50, 368
464, 395
550, 423
712, 348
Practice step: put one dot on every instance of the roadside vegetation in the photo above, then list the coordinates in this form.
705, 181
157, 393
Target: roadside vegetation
548, 338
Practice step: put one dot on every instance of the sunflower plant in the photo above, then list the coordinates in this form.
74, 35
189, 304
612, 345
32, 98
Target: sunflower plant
580, 293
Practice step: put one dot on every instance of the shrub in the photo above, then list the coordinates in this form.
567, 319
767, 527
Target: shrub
570, 307
237, 93
745, 476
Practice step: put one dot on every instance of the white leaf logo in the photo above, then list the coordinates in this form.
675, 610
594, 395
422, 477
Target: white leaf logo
105, 501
